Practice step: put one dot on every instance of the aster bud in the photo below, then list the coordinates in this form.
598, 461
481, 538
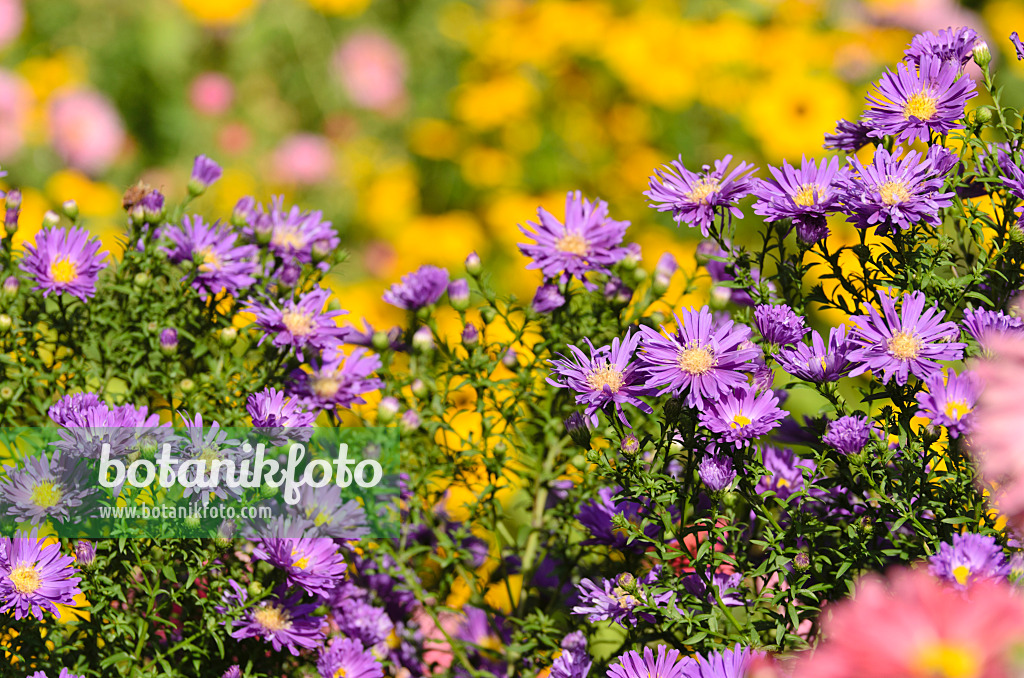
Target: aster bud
187, 385
982, 54
458, 294
409, 422
85, 553
470, 335
720, 297
11, 285
255, 588
204, 173
268, 491
320, 251
802, 561
663, 273
577, 428
169, 340
70, 209
142, 279
983, 115
488, 314
510, 360
473, 265
50, 219
5, 323
387, 409
244, 212
228, 335
617, 292
423, 340
657, 319
630, 445
6, 393
1016, 234
419, 388
380, 341
192, 521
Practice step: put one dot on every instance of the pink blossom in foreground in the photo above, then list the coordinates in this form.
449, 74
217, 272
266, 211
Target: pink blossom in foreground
87, 130
372, 70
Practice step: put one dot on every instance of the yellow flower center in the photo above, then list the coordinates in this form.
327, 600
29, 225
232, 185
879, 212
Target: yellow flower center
609, 375
957, 409
326, 387
623, 597
893, 192
696, 360
703, 189
211, 262
46, 494
904, 346
491, 642
962, 573
63, 270
298, 324
807, 195
782, 482
921, 106
340, 673
25, 579
573, 243
287, 238
739, 421
273, 618
943, 660
210, 454
303, 562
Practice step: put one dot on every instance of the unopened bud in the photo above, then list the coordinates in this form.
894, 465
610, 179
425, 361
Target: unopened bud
187, 385
228, 335
470, 335
801, 561
577, 428
5, 323
458, 294
387, 409
419, 388
473, 265
630, 445
409, 422
488, 314
380, 341
510, 360
70, 209
142, 279
982, 54
983, 115
423, 340
11, 285
50, 219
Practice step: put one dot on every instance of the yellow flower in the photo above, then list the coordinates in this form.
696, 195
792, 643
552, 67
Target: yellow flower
94, 199
482, 166
501, 100
434, 139
339, 7
391, 198
218, 12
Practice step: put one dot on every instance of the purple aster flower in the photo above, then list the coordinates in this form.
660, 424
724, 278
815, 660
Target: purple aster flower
785, 472
818, 363
273, 414
312, 563
69, 410
969, 559
703, 358
849, 434
950, 402
597, 516
942, 160
779, 324
734, 663
337, 379
279, 619
329, 515
418, 289
1018, 46
573, 660
849, 136
204, 173
547, 299
46, 488
742, 415
894, 192
225, 265
1013, 179
89, 424
982, 324
909, 343
234, 671
291, 234
85, 553
716, 472
606, 378
763, 377
64, 673
727, 584
346, 657
34, 577
588, 241
364, 622
916, 101
210, 443
299, 324
64, 260
951, 45
696, 198
614, 599
807, 196
667, 664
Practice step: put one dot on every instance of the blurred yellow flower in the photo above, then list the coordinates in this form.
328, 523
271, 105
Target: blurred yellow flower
487, 167
340, 7
218, 12
391, 199
442, 240
95, 199
433, 138
501, 100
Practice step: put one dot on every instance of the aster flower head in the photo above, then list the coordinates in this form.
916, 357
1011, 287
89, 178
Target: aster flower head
982, 324
45, 488
895, 191
697, 198
572, 661
916, 101
330, 515
64, 260
607, 377
969, 559
1018, 46
347, 658
337, 379
547, 299
716, 472
908, 343
588, 241
224, 265
742, 415
290, 233
779, 324
818, 363
35, 577
279, 417
849, 136
614, 599
64, 673
204, 173
598, 516
666, 664
703, 358
298, 324
952, 45
311, 563
280, 619
1013, 179
358, 619
785, 472
848, 434
729, 663
807, 196
726, 584
420, 288
950, 402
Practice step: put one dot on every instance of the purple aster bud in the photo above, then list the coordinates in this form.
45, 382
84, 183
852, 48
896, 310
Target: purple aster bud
802, 561
617, 292
387, 409
169, 340
473, 265
510, 360
85, 553
320, 250
1017, 45
663, 273
13, 211
152, 205
982, 54
419, 388
577, 428
244, 213
719, 297
849, 434
458, 294
779, 325
50, 219
547, 299
762, 377
204, 173
470, 335
423, 340
810, 231
716, 472
70, 209
632, 258
630, 445
11, 286
409, 422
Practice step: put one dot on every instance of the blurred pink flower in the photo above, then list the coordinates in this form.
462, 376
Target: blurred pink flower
15, 107
234, 137
996, 442
12, 20
372, 70
914, 626
211, 93
303, 159
437, 652
86, 129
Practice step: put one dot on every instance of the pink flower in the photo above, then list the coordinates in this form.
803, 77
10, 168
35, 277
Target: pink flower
12, 20
211, 93
437, 652
915, 626
303, 159
372, 71
15, 107
86, 129
996, 442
